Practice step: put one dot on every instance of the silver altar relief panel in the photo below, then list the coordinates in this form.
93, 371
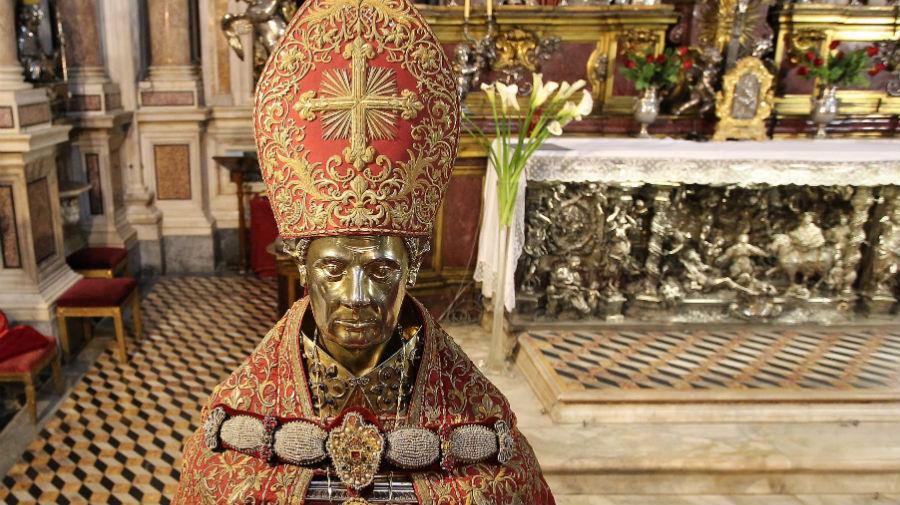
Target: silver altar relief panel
695, 253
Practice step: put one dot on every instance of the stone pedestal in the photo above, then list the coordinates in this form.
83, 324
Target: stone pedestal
33, 270
95, 148
172, 121
171, 146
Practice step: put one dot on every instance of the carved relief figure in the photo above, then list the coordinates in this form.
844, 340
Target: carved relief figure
536, 246
567, 290
839, 237
738, 259
887, 256
619, 261
802, 255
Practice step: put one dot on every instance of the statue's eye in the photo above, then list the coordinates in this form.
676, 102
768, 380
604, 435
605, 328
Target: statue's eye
381, 271
333, 268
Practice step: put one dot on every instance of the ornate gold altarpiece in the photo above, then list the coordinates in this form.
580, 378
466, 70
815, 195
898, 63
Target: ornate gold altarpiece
586, 42
816, 26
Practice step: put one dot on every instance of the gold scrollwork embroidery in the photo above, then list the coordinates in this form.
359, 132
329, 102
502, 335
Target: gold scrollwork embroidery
360, 188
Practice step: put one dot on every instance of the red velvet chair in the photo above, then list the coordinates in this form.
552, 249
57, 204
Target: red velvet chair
100, 298
24, 353
99, 262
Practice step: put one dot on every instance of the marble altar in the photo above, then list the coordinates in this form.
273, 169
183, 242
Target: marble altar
672, 230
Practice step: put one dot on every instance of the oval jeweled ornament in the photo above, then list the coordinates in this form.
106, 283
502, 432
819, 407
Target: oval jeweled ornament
355, 448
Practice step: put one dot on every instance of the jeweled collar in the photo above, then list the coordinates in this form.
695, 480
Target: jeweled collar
336, 389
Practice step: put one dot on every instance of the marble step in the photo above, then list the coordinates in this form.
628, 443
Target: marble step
563, 373
761, 459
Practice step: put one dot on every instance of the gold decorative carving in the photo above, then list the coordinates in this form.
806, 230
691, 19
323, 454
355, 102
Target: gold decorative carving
597, 70
718, 20
745, 101
639, 41
516, 48
808, 38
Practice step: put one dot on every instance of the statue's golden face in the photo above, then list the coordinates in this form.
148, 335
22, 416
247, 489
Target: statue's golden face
356, 287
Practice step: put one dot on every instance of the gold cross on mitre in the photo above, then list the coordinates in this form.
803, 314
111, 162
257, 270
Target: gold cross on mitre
361, 105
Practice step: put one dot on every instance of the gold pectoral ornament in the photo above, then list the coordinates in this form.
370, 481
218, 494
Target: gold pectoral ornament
355, 448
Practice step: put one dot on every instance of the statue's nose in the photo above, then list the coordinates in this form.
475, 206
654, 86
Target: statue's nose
357, 295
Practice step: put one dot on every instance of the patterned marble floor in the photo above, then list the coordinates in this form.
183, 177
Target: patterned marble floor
117, 437
838, 363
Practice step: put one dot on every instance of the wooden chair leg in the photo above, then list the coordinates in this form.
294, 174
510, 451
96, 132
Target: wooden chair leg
136, 314
87, 326
57, 374
30, 401
120, 335
63, 335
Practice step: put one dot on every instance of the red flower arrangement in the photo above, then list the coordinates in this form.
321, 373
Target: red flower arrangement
838, 68
656, 70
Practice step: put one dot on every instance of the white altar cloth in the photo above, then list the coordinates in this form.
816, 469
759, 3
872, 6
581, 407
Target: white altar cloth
664, 161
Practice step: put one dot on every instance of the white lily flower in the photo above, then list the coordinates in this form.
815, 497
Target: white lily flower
507, 96
489, 92
555, 128
567, 113
586, 105
540, 92
567, 90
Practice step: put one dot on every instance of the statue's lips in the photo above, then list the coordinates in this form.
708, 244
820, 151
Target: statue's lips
353, 325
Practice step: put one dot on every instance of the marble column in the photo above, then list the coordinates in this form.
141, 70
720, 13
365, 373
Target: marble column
33, 271
172, 121
10, 69
172, 72
95, 108
83, 50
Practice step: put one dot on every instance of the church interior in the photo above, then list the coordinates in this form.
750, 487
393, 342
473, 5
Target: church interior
670, 238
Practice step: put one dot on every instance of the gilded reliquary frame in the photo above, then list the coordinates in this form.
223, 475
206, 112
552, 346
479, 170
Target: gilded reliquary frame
745, 101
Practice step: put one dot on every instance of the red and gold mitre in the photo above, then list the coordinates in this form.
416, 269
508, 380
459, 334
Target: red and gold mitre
357, 121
